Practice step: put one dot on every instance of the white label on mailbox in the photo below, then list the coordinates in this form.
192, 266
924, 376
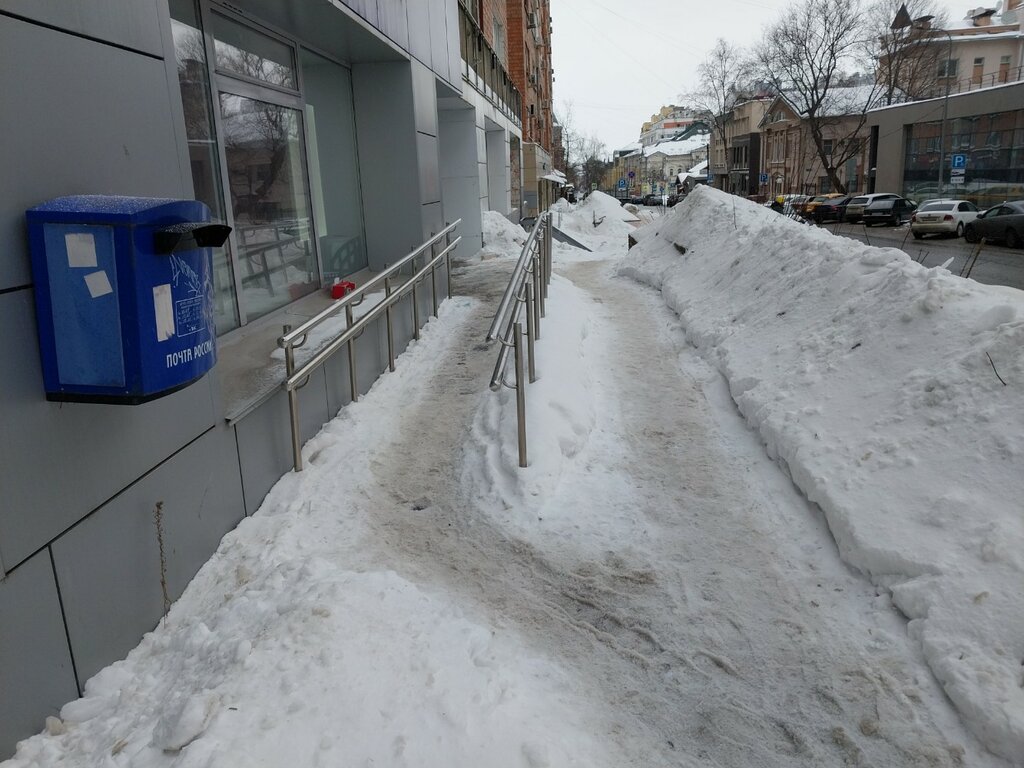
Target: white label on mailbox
98, 283
163, 308
81, 247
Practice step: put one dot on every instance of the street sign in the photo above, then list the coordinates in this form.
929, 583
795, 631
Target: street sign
622, 183
959, 161
764, 178
631, 174
957, 179
957, 172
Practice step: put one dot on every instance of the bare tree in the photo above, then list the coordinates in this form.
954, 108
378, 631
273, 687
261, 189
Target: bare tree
804, 55
906, 61
721, 83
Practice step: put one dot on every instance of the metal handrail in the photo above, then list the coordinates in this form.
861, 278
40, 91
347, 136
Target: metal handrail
527, 287
296, 378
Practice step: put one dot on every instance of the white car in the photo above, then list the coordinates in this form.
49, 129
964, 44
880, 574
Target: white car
946, 217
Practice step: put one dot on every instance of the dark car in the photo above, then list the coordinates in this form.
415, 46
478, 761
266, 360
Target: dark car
672, 200
1002, 222
832, 210
653, 200
893, 211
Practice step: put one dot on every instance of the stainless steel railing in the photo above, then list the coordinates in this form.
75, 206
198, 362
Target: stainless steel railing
297, 377
527, 288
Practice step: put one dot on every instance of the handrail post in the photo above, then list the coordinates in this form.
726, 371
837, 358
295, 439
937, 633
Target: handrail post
293, 404
532, 329
448, 259
433, 273
537, 278
391, 333
415, 303
547, 256
517, 333
352, 379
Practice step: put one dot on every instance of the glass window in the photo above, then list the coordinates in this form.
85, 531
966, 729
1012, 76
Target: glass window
333, 166
266, 177
194, 82
241, 50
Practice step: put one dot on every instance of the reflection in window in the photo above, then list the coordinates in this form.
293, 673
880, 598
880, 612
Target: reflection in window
243, 51
333, 168
266, 177
193, 81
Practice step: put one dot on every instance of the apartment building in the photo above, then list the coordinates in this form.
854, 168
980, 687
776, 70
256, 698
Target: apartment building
735, 158
529, 35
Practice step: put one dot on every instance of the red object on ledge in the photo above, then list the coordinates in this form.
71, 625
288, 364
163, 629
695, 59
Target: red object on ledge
342, 287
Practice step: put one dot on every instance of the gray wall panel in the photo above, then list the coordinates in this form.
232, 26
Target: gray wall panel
36, 676
430, 173
439, 60
451, 16
108, 567
424, 94
91, 119
419, 30
393, 20
264, 438
365, 8
389, 170
131, 23
72, 457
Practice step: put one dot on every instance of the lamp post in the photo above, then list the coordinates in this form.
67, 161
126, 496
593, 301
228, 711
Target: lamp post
903, 21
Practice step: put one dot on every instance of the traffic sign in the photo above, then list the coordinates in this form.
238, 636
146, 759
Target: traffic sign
957, 179
957, 172
959, 161
631, 174
622, 183
764, 178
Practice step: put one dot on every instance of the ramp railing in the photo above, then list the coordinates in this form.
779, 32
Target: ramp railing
298, 377
527, 289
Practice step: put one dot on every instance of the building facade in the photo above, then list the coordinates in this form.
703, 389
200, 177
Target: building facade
735, 158
529, 30
984, 129
332, 138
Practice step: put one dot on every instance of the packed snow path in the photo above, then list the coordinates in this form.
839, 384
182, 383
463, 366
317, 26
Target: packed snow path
718, 621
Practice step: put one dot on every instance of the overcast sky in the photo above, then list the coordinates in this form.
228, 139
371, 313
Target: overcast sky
619, 61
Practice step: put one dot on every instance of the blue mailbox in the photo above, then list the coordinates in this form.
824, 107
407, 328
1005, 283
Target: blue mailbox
124, 295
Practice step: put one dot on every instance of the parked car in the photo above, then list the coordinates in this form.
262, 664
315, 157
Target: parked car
1002, 222
946, 217
832, 210
672, 200
855, 208
891, 210
812, 205
653, 199
796, 204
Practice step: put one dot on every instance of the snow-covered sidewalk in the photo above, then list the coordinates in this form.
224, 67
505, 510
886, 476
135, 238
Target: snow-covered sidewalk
652, 590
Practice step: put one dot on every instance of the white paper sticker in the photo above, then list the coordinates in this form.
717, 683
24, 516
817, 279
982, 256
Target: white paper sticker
163, 308
81, 247
98, 284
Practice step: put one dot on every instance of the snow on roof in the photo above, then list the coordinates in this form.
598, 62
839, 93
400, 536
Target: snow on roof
838, 101
672, 148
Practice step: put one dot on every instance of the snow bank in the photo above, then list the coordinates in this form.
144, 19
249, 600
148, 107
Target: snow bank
894, 395
502, 238
599, 222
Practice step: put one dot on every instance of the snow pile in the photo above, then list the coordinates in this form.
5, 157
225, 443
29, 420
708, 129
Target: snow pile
894, 395
599, 222
293, 645
606, 205
501, 237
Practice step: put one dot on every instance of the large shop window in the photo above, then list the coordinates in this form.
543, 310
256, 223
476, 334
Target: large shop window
271, 135
194, 81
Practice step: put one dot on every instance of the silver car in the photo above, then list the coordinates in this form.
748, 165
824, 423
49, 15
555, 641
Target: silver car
855, 208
